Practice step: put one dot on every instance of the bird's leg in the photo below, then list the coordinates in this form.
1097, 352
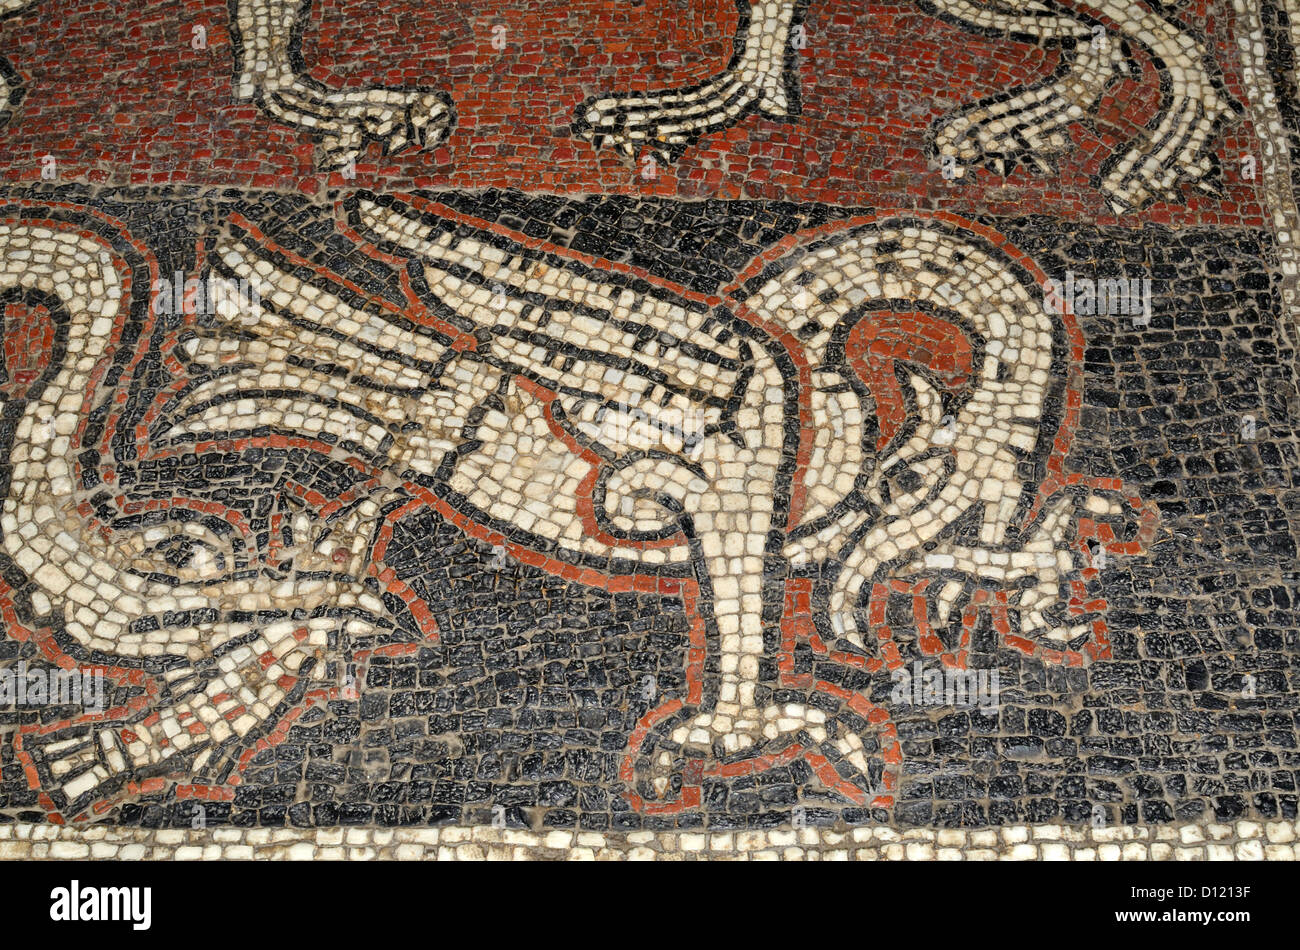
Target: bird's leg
671, 120
1027, 124
732, 516
268, 59
1029, 127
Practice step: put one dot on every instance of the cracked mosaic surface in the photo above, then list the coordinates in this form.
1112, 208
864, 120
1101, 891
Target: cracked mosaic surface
874, 433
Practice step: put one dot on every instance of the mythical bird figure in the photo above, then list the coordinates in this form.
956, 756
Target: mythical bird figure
875, 406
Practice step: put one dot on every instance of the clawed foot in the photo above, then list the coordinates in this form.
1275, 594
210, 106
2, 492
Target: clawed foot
268, 60
964, 141
671, 121
1038, 596
80, 765
717, 745
1028, 127
669, 124
394, 118
1139, 178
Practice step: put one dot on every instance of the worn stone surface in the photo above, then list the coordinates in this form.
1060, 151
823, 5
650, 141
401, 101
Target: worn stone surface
772, 430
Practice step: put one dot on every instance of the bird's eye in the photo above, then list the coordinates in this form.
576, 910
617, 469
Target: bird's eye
916, 479
184, 556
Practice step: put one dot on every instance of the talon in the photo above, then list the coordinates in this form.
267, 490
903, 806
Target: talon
715, 745
395, 118
1041, 165
755, 82
1034, 115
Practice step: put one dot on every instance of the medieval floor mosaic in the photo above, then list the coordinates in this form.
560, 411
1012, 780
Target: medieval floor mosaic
760, 429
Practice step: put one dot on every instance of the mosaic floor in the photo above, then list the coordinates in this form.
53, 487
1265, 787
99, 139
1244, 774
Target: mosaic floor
693, 428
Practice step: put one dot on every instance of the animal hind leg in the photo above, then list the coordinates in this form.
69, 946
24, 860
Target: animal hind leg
758, 79
268, 40
1028, 124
